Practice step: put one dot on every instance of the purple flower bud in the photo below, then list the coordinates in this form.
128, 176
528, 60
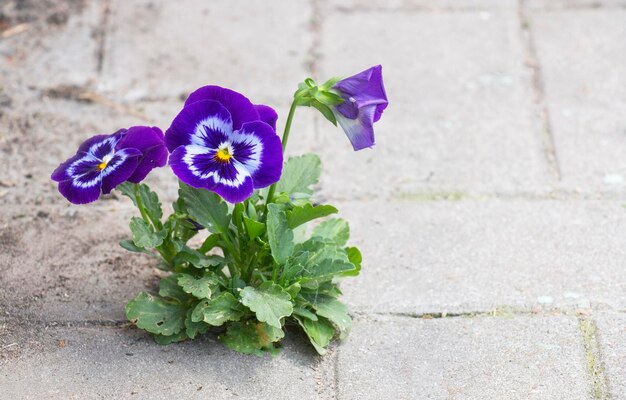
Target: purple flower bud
364, 102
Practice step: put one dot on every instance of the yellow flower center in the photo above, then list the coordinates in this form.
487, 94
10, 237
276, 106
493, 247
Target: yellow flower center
102, 166
223, 155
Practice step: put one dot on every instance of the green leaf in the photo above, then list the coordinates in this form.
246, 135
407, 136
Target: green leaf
299, 174
207, 208
326, 111
194, 328
320, 332
295, 266
254, 228
335, 311
169, 287
156, 315
148, 198
293, 290
218, 310
330, 83
307, 212
355, 257
279, 235
324, 260
144, 235
198, 287
303, 312
268, 334
335, 230
197, 259
328, 98
165, 340
243, 338
209, 243
269, 302
130, 246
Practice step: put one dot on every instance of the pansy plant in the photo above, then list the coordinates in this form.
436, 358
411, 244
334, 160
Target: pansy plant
243, 262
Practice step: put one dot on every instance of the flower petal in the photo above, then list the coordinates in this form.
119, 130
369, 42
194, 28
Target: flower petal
360, 131
148, 140
363, 89
259, 149
202, 123
267, 114
82, 190
194, 165
64, 170
234, 183
239, 107
119, 169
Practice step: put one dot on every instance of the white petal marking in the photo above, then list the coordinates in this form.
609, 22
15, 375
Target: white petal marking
214, 123
253, 141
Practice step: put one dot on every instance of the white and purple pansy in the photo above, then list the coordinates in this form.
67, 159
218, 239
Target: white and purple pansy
221, 142
104, 161
365, 100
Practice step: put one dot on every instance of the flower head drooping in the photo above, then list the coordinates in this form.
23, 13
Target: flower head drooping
221, 142
364, 101
151, 143
104, 161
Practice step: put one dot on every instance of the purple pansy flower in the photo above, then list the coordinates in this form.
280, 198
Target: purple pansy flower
151, 143
104, 161
220, 141
364, 101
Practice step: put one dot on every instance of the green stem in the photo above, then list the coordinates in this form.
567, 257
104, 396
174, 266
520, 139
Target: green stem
140, 206
292, 111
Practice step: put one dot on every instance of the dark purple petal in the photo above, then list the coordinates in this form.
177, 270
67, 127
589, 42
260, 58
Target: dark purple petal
239, 107
194, 165
361, 90
259, 149
267, 114
360, 131
201, 123
236, 189
62, 172
148, 140
100, 145
119, 168
84, 190
365, 100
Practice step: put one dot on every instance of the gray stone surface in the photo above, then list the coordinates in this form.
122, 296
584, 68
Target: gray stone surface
166, 49
612, 338
463, 358
461, 111
468, 255
456, 210
586, 99
546, 5
418, 5
64, 52
116, 363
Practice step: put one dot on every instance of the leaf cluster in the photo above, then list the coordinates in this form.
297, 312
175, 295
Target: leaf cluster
254, 270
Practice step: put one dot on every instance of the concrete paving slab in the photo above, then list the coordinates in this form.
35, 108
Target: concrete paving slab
463, 358
473, 255
461, 104
61, 50
612, 338
417, 5
157, 49
547, 5
115, 363
69, 267
581, 55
